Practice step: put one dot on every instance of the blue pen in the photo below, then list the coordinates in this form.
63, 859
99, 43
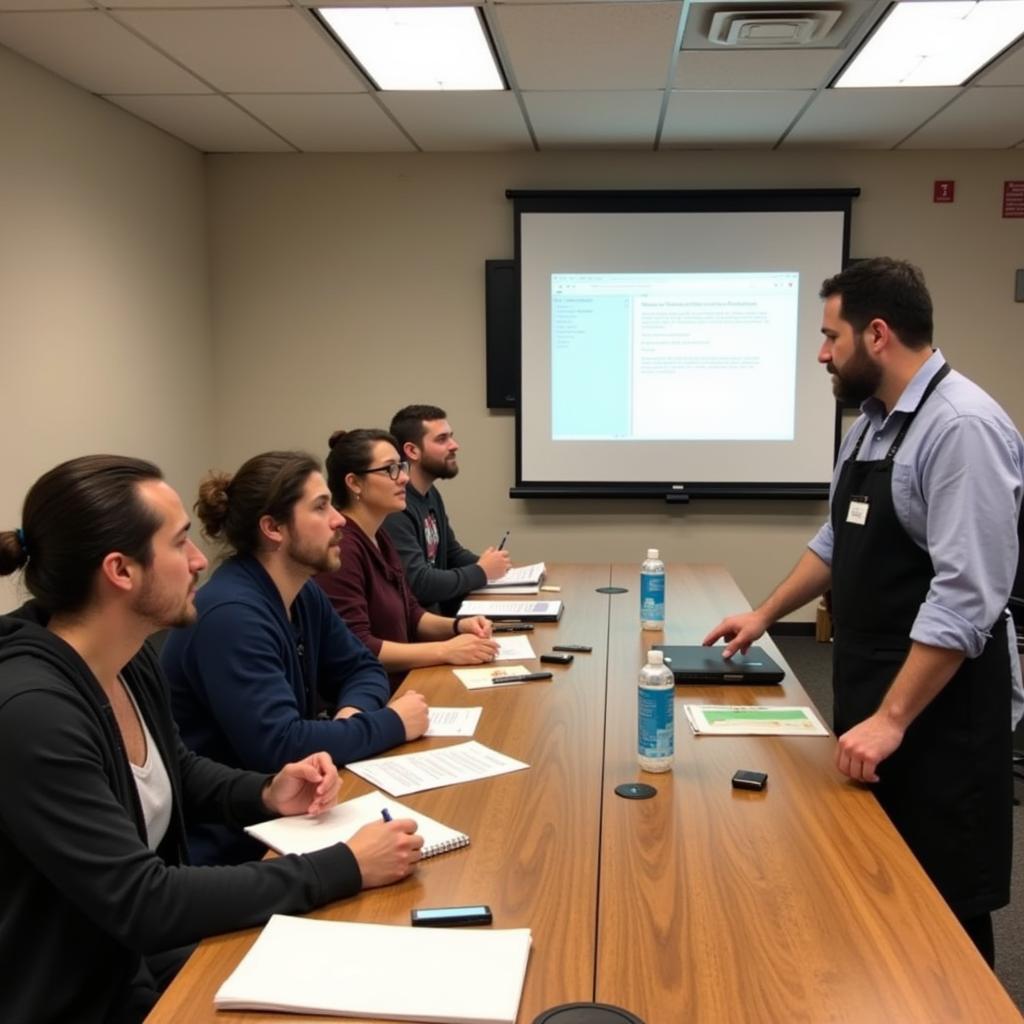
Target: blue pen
385, 814
501, 546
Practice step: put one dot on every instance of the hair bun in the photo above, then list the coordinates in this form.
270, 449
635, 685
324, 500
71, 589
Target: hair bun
213, 503
335, 438
13, 553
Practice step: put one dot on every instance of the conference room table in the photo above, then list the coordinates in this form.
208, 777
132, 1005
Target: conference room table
799, 903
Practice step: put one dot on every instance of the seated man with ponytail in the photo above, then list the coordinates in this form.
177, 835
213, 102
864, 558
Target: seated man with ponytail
268, 672
98, 903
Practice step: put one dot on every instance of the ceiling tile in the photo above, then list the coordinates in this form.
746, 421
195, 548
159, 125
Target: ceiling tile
210, 123
329, 123
1009, 71
36, 6
729, 119
866, 118
977, 119
460, 121
754, 69
599, 119
250, 50
590, 46
117, 5
93, 51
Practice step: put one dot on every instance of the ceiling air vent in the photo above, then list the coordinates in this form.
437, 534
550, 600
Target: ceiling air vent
799, 27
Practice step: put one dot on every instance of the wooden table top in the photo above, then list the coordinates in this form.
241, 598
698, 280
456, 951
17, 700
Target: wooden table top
798, 903
704, 904
534, 835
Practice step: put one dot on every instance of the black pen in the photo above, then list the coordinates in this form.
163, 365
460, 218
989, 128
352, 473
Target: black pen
524, 677
501, 546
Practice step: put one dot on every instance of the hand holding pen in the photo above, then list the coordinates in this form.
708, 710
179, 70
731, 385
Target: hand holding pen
387, 850
495, 562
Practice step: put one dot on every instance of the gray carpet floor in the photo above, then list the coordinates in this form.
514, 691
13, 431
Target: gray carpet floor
812, 664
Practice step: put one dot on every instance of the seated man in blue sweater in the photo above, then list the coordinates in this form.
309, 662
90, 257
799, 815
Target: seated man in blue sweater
269, 673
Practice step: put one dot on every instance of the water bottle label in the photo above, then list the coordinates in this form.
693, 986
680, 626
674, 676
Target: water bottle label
657, 732
652, 596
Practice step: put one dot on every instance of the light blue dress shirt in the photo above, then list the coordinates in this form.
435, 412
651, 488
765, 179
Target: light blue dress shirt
957, 482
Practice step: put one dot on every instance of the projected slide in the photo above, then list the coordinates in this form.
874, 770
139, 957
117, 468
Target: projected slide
673, 356
669, 351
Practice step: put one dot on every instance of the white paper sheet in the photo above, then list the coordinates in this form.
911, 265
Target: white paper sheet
513, 648
483, 678
431, 769
452, 721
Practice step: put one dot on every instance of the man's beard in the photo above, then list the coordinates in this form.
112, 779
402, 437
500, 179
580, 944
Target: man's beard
315, 559
440, 469
163, 610
859, 378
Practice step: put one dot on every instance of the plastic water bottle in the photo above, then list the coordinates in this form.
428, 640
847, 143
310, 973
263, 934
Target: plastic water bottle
652, 591
655, 720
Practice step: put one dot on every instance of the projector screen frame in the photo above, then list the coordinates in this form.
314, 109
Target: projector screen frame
674, 201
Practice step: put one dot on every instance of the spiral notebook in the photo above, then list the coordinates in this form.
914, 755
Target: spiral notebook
302, 834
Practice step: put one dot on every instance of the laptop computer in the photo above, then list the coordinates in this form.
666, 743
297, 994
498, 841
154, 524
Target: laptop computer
695, 664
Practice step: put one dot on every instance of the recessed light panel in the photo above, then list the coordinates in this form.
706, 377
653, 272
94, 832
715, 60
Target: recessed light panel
417, 48
940, 42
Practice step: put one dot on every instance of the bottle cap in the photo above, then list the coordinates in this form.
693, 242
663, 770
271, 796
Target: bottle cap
655, 657
653, 553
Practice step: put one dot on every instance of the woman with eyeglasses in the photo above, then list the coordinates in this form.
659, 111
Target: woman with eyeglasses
367, 480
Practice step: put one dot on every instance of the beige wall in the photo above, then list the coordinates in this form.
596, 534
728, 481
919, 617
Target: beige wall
344, 287
338, 288
104, 311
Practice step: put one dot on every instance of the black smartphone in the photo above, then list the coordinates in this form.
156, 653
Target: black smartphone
744, 779
578, 648
556, 659
449, 917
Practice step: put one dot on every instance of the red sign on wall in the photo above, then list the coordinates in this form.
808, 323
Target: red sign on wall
942, 191
1013, 198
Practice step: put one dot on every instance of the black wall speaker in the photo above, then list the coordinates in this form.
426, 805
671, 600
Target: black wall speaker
502, 315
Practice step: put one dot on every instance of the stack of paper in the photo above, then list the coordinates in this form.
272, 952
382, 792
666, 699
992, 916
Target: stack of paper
299, 833
525, 579
302, 965
533, 611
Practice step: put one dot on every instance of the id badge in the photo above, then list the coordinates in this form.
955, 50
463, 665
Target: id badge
857, 513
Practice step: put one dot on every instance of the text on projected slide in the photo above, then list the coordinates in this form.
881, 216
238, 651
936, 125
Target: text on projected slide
674, 357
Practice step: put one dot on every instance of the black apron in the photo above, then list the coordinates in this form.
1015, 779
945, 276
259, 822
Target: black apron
948, 788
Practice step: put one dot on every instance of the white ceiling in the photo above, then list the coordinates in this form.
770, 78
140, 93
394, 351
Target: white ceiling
265, 76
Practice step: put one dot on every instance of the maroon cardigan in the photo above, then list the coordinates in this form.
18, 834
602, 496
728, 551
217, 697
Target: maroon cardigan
371, 594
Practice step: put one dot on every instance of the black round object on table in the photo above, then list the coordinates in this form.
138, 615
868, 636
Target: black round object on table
587, 1013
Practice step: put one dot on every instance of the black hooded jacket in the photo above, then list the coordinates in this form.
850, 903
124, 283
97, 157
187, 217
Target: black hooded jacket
83, 900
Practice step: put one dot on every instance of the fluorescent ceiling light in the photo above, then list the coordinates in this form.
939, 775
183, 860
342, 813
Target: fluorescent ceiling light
417, 47
934, 43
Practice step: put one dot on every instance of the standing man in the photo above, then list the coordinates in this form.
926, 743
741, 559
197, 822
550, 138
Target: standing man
269, 673
439, 569
919, 552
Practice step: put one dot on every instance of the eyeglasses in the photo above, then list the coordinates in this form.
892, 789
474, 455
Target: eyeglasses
393, 469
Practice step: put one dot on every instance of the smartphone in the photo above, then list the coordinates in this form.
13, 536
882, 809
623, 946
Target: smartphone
580, 648
556, 659
448, 917
744, 779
